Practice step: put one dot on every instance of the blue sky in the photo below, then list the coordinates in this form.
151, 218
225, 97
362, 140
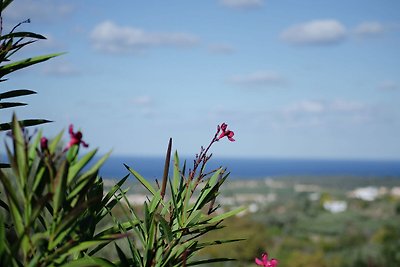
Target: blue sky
293, 79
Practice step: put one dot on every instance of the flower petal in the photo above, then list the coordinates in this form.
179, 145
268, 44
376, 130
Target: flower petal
259, 262
273, 263
224, 126
264, 257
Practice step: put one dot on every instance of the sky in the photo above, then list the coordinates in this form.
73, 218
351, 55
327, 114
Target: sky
301, 79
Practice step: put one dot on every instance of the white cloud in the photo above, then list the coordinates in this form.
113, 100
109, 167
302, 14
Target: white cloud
145, 105
321, 106
143, 100
321, 112
317, 32
42, 11
60, 68
242, 4
260, 78
221, 49
111, 38
388, 85
307, 106
346, 106
367, 29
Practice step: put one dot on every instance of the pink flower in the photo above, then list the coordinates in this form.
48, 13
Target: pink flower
265, 262
76, 138
225, 132
44, 144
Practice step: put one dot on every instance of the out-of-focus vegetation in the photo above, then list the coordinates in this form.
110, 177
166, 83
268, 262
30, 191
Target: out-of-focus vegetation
298, 228
289, 218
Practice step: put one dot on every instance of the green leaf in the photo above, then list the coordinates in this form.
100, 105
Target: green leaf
116, 228
5, 3
4, 205
177, 177
67, 224
225, 215
95, 168
9, 189
194, 217
166, 229
22, 35
20, 151
208, 192
79, 165
155, 201
37, 209
208, 261
142, 180
11, 67
4, 165
81, 246
59, 187
4, 105
89, 262
2, 235
16, 93
218, 242
166, 169
126, 226
54, 142
82, 187
114, 189
121, 256
13, 204
24, 123
33, 146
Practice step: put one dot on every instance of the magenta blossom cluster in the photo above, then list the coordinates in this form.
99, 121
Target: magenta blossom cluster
225, 132
75, 139
265, 262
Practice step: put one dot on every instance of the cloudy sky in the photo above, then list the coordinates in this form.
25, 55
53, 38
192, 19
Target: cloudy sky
293, 79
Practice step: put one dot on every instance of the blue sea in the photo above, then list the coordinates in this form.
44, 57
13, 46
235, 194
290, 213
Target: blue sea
153, 167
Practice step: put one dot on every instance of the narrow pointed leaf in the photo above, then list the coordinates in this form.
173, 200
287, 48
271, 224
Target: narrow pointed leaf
11, 67
208, 261
89, 262
16, 93
79, 165
22, 35
5, 3
4, 165
226, 215
4, 105
24, 123
33, 146
121, 256
114, 189
142, 180
59, 187
54, 142
95, 168
20, 153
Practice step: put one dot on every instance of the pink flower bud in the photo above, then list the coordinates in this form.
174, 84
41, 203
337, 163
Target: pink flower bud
44, 144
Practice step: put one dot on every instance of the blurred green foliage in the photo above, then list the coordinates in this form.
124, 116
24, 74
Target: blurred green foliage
300, 232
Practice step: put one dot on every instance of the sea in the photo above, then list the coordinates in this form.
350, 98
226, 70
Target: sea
257, 168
